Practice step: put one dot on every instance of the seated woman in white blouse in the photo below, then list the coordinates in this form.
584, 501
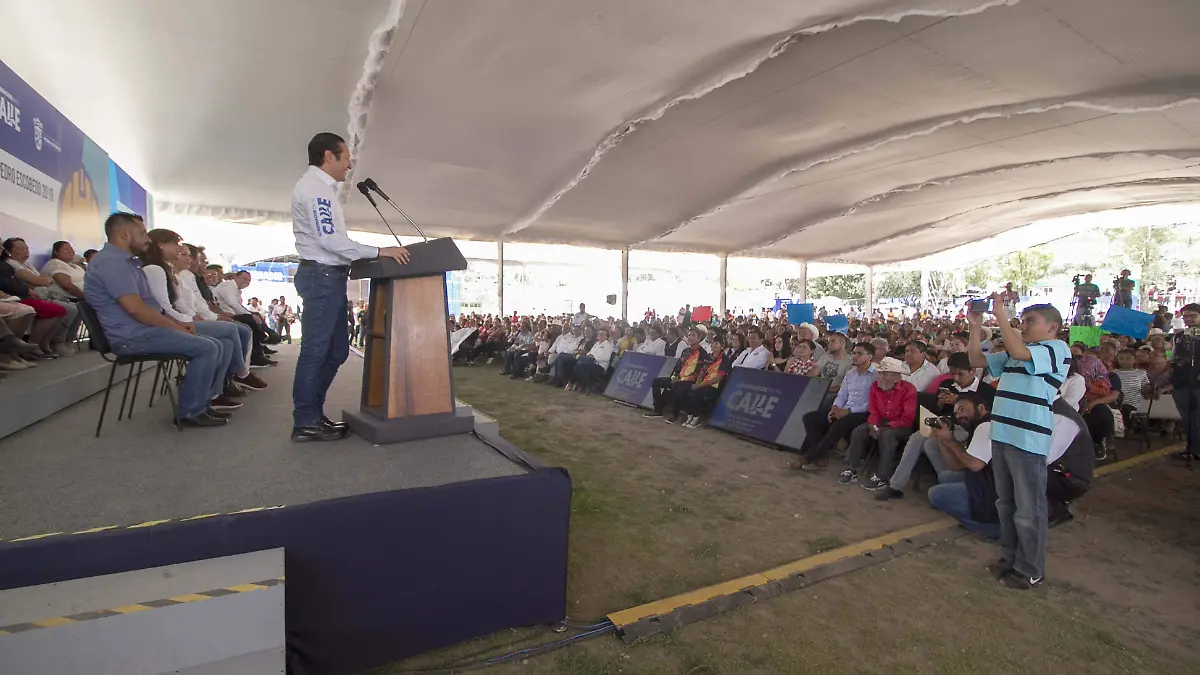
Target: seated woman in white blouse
159, 262
191, 301
67, 275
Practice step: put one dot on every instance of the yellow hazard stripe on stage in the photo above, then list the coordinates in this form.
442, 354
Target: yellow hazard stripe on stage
1137, 459
148, 523
141, 606
667, 605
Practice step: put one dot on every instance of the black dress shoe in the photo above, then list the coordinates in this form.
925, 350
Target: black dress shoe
213, 412
202, 420
316, 433
268, 350
330, 424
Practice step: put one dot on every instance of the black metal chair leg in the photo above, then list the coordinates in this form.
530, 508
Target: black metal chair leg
154, 387
107, 390
166, 382
125, 396
136, 385
174, 408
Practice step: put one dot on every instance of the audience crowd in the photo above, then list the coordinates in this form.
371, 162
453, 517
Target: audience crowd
1009, 416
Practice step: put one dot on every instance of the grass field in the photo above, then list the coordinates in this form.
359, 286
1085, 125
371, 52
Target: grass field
658, 510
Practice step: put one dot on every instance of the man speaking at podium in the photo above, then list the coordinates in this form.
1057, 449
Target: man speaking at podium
325, 256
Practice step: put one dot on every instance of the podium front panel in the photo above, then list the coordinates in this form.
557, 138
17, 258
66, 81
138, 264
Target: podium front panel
418, 368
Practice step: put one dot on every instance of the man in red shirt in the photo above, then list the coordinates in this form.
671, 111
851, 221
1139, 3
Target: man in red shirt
891, 413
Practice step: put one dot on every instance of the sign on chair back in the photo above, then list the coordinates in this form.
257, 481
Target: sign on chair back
632, 380
767, 405
407, 391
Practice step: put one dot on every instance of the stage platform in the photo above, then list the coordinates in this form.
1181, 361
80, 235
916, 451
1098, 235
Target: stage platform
457, 536
29, 396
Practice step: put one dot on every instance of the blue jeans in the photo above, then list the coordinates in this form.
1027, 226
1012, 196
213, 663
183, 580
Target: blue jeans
1184, 399
1021, 503
233, 361
205, 377
326, 343
563, 366
950, 497
247, 337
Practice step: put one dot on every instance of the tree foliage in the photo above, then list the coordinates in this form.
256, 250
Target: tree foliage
844, 286
1144, 251
902, 286
1025, 268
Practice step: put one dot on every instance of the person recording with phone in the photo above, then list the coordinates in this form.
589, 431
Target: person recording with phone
1030, 370
325, 256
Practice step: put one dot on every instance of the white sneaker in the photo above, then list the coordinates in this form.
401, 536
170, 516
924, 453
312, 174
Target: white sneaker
64, 349
15, 364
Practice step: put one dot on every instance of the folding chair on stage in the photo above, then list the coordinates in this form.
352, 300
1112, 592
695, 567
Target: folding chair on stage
163, 364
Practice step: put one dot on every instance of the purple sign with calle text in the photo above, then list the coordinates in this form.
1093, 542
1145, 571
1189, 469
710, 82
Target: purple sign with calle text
634, 376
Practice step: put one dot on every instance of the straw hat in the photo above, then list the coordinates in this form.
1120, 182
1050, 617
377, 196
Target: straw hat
890, 364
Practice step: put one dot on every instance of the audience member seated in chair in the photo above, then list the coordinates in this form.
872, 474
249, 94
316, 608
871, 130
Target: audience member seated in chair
670, 392
654, 343
592, 367
134, 323
65, 271
824, 429
48, 315
160, 263
16, 254
561, 357
756, 355
228, 294
15, 321
962, 380
891, 414
520, 350
698, 401
192, 301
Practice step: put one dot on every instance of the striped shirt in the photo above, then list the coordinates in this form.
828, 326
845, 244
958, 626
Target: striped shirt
1021, 416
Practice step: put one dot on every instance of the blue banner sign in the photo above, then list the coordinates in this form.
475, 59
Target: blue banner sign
1130, 322
634, 376
768, 405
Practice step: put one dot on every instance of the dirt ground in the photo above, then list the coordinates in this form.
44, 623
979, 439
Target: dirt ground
658, 510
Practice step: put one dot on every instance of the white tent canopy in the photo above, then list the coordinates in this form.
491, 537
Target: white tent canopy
861, 131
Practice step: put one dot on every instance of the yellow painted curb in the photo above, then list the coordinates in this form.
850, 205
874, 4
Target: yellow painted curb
666, 605
1139, 459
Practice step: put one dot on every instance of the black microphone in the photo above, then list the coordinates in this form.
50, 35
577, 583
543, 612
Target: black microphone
370, 184
364, 188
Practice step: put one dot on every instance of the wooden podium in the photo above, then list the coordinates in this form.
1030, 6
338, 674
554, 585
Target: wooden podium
408, 391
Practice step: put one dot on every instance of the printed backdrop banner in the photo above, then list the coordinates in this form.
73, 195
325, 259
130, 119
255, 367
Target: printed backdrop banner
768, 405
55, 183
632, 379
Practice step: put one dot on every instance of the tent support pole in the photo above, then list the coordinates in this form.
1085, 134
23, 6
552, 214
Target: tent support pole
724, 284
870, 290
625, 284
500, 274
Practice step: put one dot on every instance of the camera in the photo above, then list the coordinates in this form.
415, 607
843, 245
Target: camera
1076, 279
936, 422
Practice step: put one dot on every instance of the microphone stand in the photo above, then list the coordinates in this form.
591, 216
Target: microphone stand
362, 189
401, 212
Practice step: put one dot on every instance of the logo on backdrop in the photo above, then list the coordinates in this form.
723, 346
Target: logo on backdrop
37, 133
10, 114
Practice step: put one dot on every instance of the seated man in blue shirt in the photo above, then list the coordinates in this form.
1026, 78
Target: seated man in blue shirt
824, 428
133, 321
1032, 370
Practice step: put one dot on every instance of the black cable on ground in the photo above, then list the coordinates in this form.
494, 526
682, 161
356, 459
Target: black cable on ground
604, 627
